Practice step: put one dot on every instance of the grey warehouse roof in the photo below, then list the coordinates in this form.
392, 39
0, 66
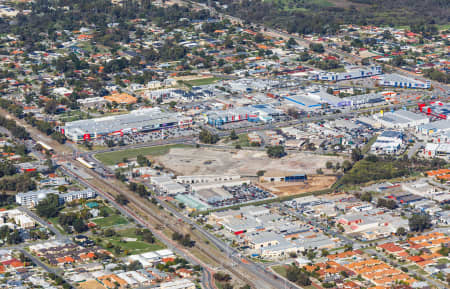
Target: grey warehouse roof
136, 119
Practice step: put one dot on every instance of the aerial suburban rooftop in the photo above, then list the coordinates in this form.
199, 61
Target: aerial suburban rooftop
188, 144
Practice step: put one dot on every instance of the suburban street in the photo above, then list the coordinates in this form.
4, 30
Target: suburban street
397, 265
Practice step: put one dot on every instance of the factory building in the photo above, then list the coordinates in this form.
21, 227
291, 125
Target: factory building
388, 142
364, 99
200, 179
142, 120
401, 119
436, 109
441, 150
352, 73
284, 178
167, 185
317, 98
396, 80
304, 101
254, 113
435, 128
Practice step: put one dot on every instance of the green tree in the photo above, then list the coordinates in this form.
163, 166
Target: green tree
291, 43
142, 161
51, 106
259, 38
49, 207
401, 231
356, 154
79, 225
207, 137
260, 173
390, 204
311, 255
121, 199
317, 47
233, 135
346, 165
366, 197
419, 222
275, 151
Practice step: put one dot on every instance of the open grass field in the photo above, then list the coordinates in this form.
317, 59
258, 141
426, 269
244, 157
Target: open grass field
133, 247
137, 247
202, 81
110, 221
280, 270
112, 158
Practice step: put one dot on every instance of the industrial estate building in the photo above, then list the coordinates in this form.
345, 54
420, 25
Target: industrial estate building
142, 120
254, 113
396, 80
401, 119
388, 142
436, 109
433, 128
317, 98
352, 73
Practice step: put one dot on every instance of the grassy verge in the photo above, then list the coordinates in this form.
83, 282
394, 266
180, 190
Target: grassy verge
367, 146
443, 261
112, 158
280, 270
55, 223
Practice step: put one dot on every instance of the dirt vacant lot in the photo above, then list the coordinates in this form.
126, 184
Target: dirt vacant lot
209, 161
314, 183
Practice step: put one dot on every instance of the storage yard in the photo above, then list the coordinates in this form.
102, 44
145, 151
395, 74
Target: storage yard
192, 161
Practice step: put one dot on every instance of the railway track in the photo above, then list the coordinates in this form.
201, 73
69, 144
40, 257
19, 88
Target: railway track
159, 221
136, 202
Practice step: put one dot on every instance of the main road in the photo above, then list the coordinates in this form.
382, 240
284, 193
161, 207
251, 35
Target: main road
234, 255
250, 273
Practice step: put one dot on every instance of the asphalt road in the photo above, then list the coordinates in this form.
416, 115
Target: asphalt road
42, 222
413, 150
126, 212
268, 126
257, 269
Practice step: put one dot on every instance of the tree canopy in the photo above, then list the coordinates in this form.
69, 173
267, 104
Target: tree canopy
49, 207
